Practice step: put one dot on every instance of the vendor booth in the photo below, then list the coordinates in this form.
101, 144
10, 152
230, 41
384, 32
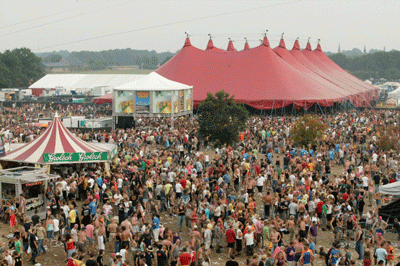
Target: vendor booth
31, 182
391, 210
57, 145
151, 96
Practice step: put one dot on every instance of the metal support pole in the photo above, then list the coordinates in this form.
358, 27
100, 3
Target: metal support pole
272, 109
320, 109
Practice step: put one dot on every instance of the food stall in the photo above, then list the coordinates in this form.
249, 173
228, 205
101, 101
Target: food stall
32, 182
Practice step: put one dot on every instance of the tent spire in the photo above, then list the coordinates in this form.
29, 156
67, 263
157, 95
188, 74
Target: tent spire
210, 43
282, 42
296, 45
231, 48
308, 46
319, 46
187, 41
246, 45
265, 41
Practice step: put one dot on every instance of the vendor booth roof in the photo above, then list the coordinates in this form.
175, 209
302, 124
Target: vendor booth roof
390, 189
108, 98
55, 140
153, 82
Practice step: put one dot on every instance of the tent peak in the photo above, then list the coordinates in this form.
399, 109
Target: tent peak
282, 43
319, 46
296, 45
246, 45
187, 42
265, 41
308, 46
230, 48
210, 44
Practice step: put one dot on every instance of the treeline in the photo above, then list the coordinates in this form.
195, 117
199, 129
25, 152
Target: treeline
118, 57
377, 65
19, 68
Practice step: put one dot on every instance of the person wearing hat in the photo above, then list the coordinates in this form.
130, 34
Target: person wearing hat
112, 259
149, 256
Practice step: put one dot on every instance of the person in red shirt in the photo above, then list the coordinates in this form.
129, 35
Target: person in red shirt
185, 258
183, 182
230, 239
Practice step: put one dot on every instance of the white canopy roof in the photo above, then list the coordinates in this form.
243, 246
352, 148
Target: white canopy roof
83, 81
153, 82
394, 93
390, 189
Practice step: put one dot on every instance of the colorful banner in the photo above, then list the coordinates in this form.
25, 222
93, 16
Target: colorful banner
176, 107
142, 98
78, 100
2, 149
124, 102
126, 107
188, 100
182, 100
74, 157
164, 107
162, 102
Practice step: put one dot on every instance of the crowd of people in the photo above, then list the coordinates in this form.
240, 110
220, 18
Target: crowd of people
171, 198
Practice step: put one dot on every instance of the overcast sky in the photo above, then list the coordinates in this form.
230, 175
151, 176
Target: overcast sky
76, 25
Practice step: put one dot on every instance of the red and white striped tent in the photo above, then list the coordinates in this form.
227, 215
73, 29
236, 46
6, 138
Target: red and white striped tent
57, 145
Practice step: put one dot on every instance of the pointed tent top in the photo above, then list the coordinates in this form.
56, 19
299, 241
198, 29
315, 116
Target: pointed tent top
187, 42
231, 48
308, 46
265, 41
282, 43
296, 45
319, 47
210, 44
246, 46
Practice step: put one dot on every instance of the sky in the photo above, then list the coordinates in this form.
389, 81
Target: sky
95, 25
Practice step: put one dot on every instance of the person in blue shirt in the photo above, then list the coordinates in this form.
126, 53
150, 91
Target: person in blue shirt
306, 255
155, 226
331, 154
311, 152
270, 156
226, 178
99, 181
335, 253
93, 207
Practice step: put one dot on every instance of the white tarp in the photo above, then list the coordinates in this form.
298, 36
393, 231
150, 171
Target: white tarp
153, 82
390, 189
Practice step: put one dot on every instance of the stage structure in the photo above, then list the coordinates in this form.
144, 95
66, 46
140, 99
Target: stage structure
151, 96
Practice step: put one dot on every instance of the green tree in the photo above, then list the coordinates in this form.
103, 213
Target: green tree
20, 67
221, 118
388, 138
307, 130
53, 58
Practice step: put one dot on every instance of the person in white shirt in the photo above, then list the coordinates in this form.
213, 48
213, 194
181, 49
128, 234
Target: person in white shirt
260, 184
365, 181
249, 237
178, 190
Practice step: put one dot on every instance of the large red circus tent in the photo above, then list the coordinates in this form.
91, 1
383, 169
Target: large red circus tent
58, 145
262, 78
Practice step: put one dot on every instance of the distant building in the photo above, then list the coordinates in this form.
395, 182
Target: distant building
64, 65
